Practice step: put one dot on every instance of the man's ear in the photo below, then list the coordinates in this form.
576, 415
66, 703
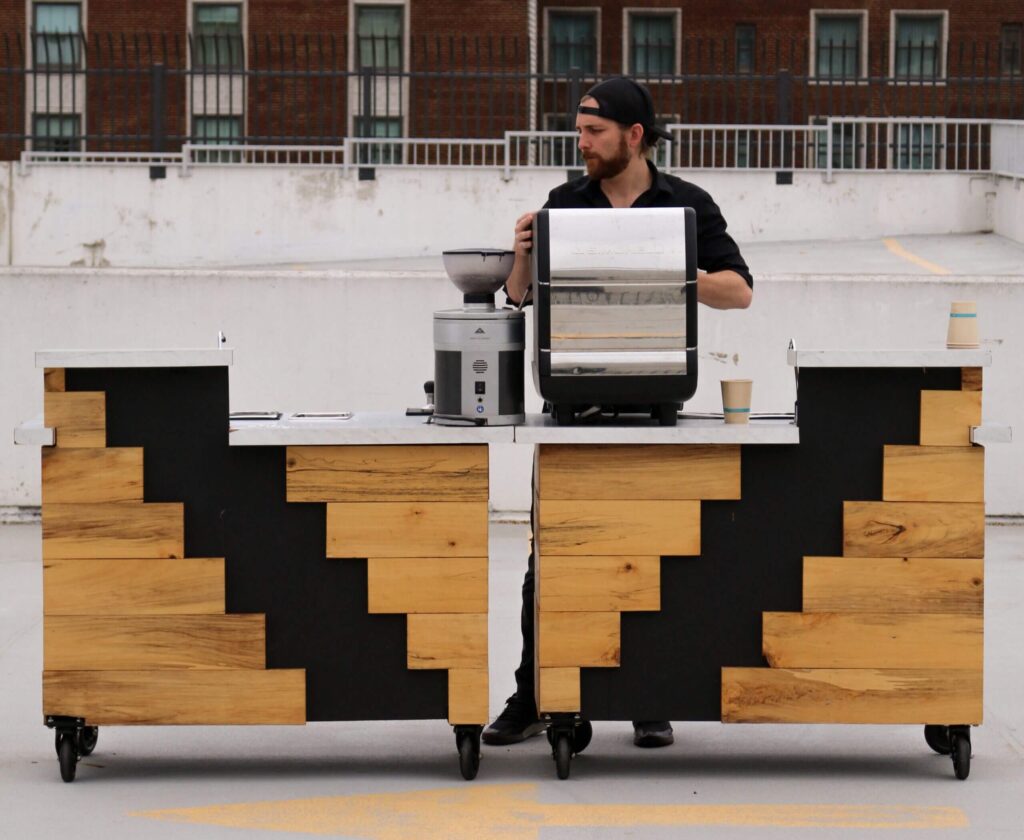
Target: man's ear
636, 135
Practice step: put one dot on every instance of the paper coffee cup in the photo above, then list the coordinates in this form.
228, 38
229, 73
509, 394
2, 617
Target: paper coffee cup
963, 325
736, 399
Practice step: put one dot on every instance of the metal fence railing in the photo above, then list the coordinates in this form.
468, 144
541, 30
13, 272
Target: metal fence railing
101, 93
836, 144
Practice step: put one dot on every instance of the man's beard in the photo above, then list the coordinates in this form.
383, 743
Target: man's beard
598, 168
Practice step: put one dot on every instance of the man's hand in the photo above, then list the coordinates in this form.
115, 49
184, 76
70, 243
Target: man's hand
518, 284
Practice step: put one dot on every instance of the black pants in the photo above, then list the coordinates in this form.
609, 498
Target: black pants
524, 673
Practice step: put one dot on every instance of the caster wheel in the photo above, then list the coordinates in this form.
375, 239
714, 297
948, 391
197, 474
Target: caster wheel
581, 736
56, 742
87, 739
563, 756
550, 732
960, 750
937, 737
68, 755
469, 757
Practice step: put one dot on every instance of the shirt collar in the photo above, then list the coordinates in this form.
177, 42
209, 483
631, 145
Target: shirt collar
592, 189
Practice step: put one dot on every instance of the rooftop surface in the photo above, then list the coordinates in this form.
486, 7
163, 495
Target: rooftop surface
978, 254
396, 780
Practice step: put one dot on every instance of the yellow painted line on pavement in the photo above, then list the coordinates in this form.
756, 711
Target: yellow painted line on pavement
897, 249
513, 812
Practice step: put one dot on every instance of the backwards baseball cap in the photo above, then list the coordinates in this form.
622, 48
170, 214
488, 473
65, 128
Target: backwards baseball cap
626, 101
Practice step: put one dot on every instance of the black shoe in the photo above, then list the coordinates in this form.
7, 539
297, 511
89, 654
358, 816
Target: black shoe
652, 733
517, 723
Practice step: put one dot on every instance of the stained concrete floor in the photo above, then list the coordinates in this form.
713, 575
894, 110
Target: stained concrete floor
397, 780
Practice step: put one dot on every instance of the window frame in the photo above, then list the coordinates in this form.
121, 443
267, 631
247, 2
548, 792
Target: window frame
861, 78
736, 48
1005, 29
593, 11
78, 59
397, 78
940, 77
357, 64
77, 138
627, 37
214, 68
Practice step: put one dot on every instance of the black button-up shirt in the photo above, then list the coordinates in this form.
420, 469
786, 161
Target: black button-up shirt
716, 249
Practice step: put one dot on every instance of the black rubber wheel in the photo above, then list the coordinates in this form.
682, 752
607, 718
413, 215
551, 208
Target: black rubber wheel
56, 742
960, 745
67, 752
937, 737
581, 736
563, 756
87, 739
550, 732
469, 757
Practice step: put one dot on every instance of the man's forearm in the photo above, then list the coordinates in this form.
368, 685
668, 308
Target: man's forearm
723, 290
518, 283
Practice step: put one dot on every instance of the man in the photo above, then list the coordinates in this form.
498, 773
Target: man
616, 127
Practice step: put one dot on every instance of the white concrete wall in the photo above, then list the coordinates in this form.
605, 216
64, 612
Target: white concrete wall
1008, 209
234, 216
308, 340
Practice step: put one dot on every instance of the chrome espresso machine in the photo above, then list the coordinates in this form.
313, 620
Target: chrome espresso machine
615, 315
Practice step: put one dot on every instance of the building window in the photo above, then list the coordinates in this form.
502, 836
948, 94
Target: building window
56, 132
572, 41
57, 31
846, 144
837, 46
746, 34
916, 146
379, 37
217, 131
217, 36
373, 154
652, 44
1011, 41
919, 47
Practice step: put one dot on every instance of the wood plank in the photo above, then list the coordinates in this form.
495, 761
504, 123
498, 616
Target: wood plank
407, 529
138, 643
626, 528
872, 640
387, 473
108, 531
468, 696
559, 690
893, 585
947, 417
851, 695
933, 474
436, 640
598, 584
92, 475
177, 697
427, 584
53, 380
639, 472
193, 586
79, 418
971, 379
913, 529
577, 639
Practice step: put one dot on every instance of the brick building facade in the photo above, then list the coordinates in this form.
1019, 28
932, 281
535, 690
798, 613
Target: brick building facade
141, 75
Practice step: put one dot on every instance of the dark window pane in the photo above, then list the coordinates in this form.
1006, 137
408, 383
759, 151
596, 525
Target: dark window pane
217, 131
845, 145
918, 42
379, 37
217, 36
745, 38
57, 29
652, 47
1011, 41
916, 147
572, 42
56, 132
837, 47
379, 153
